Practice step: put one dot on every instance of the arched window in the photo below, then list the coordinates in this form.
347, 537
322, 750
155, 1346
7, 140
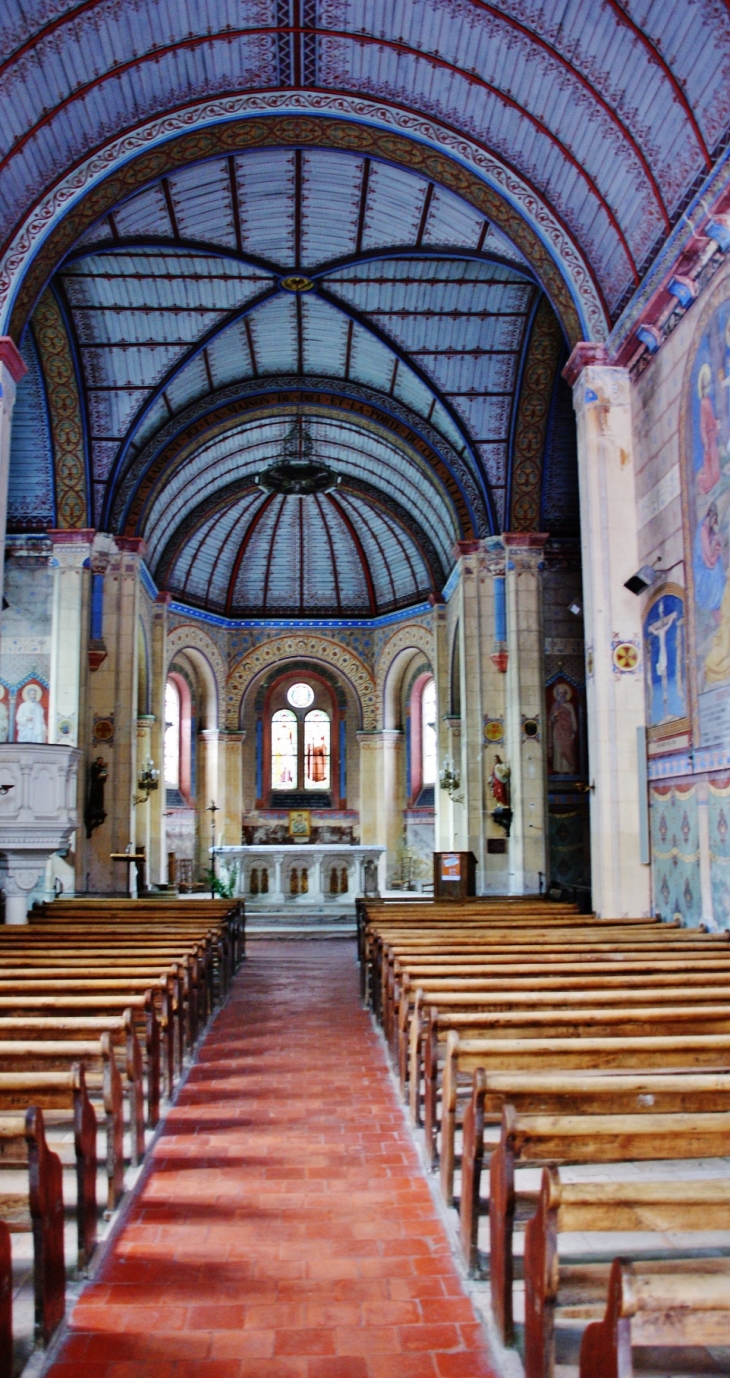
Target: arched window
172, 735
284, 750
428, 733
317, 750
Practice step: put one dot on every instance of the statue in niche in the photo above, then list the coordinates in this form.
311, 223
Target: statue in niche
4, 716
30, 722
499, 784
94, 813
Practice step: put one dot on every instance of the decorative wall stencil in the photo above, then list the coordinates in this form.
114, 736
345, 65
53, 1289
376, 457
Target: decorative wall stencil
664, 650
493, 731
675, 852
533, 410
566, 841
718, 809
64, 406
103, 729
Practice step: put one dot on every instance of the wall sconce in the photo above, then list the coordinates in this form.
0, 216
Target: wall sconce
147, 780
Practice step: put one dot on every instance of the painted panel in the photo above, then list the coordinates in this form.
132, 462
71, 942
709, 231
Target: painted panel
664, 660
718, 809
676, 852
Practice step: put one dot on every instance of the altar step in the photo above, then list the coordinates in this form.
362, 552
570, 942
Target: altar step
312, 924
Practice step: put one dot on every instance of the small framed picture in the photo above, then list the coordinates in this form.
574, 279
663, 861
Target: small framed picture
300, 823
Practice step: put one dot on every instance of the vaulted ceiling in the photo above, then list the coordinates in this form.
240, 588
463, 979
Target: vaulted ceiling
389, 221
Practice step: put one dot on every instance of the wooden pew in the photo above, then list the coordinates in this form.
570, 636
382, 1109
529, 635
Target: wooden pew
63, 1097
102, 1077
38, 1210
660, 1306
685, 1052
122, 1035
682, 1206
582, 1138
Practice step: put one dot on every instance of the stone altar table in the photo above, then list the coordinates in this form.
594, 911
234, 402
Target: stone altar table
280, 861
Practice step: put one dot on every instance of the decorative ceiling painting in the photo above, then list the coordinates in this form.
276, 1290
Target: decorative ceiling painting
383, 225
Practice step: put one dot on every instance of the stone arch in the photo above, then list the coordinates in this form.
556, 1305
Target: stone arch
209, 660
297, 646
407, 639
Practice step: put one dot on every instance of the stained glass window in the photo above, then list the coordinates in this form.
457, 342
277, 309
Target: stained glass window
284, 750
301, 696
428, 733
316, 750
172, 735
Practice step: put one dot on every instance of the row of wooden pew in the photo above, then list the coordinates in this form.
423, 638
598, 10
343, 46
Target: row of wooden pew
526, 1036
101, 1004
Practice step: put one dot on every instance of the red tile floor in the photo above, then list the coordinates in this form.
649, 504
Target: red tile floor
285, 1229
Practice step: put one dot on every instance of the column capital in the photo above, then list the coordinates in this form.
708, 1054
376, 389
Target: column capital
525, 549
11, 357
82, 535
164, 598
462, 548
585, 352
131, 545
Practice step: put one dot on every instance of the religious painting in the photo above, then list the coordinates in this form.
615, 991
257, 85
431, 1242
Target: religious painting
317, 750
284, 774
300, 823
665, 641
4, 713
31, 712
705, 432
565, 727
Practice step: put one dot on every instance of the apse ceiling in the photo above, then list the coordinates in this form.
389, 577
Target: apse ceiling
222, 271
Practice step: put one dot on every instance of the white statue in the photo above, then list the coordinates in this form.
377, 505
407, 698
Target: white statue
30, 723
4, 719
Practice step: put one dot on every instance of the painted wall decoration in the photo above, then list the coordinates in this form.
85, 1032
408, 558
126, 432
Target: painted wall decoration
676, 852
31, 712
705, 432
718, 809
664, 661
565, 716
566, 840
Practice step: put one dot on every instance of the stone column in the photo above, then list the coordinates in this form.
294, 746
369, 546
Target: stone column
525, 714
143, 818
207, 791
157, 846
369, 750
382, 797
12, 369
231, 786
69, 632
613, 631
442, 831
495, 660
113, 700
472, 714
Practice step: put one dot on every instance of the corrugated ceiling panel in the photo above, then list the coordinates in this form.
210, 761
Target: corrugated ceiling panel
31, 499
266, 200
202, 203
331, 185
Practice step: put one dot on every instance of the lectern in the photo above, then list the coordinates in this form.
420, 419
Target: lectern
454, 875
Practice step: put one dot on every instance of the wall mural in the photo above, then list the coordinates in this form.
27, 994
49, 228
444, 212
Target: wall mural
676, 852
664, 660
565, 715
706, 473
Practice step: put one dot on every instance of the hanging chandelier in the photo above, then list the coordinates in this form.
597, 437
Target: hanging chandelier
298, 472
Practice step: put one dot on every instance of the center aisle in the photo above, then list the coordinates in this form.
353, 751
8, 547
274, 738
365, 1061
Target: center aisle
285, 1229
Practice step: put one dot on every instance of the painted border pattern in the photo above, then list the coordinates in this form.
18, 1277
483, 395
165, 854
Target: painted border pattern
223, 126
190, 636
64, 409
533, 413
283, 648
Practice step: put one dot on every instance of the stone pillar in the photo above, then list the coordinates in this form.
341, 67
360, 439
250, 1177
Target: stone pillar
207, 791
12, 369
613, 631
143, 818
524, 725
439, 627
471, 760
157, 847
69, 632
230, 772
494, 665
113, 701
382, 794
454, 833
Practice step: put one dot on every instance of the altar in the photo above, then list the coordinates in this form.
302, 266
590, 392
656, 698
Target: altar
302, 875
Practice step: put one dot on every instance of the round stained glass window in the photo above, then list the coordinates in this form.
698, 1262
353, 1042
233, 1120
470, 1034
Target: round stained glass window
300, 696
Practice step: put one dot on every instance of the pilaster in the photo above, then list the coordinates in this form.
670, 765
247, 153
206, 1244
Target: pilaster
230, 762
614, 679
524, 712
492, 575
157, 849
69, 631
12, 369
207, 791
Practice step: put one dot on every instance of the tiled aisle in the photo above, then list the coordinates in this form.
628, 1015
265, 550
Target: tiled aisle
286, 1230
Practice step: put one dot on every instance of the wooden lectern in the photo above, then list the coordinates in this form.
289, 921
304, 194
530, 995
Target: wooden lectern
454, 875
